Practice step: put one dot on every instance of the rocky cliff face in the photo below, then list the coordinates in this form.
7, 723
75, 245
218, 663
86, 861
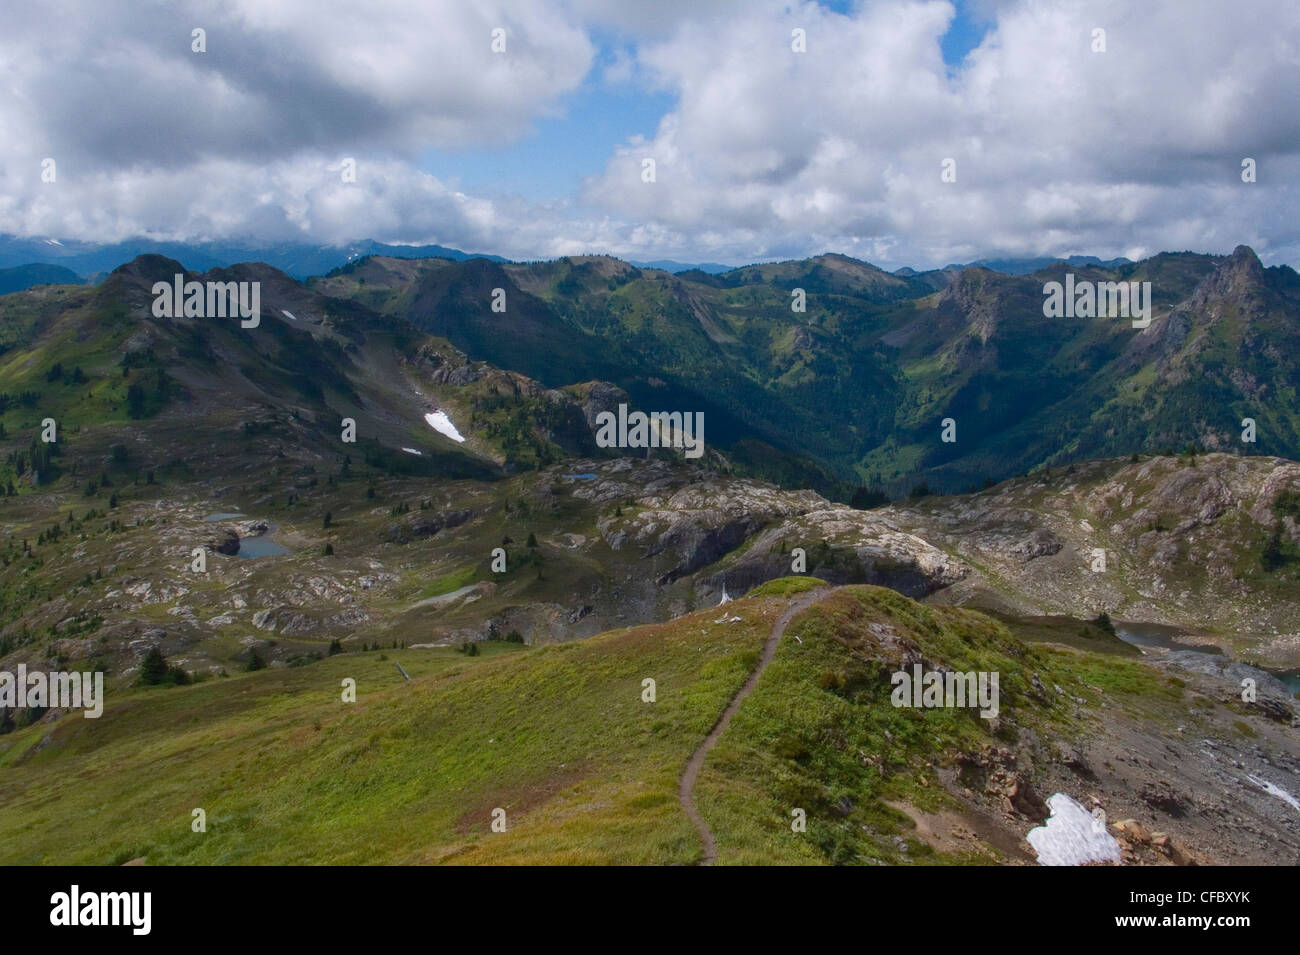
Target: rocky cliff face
843, 546
1183, 544
630, 540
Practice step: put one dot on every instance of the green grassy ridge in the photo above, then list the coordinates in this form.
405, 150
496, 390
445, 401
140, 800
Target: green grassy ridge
321, 369
41, 336
786, 587
462, 577
800, 739
1066, 631
408, 774
558, 736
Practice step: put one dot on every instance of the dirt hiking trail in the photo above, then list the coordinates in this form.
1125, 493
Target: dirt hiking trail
685, 790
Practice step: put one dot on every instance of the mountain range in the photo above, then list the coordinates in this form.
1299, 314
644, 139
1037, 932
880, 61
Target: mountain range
526, 580
93, 260
858, 386
892, 384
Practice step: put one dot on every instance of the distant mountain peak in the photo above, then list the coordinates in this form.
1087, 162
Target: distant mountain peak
1244, 258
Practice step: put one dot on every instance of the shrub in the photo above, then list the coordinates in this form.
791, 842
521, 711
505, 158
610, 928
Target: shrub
156, 671
154, 667
866, 498
829, 680
1271, 556
789, 746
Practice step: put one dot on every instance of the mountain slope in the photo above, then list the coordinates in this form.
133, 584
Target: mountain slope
860, 382
585, 771
22, 277
1209, 543
179, 436
298, 259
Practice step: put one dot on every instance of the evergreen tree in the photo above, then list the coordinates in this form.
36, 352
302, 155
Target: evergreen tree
154, 668
867, 498
1271, 557
135, 400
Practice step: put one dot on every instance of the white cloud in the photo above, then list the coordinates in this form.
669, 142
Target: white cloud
767, 152
119, 85
1058, 148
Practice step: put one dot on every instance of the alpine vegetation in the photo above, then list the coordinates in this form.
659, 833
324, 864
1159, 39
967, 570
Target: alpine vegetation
659, 429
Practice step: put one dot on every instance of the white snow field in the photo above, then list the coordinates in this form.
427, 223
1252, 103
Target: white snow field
439, 422
1072, 836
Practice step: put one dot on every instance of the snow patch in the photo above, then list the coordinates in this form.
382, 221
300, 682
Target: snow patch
289, 313
439, 422
1072, 836
412, 451
1273, 790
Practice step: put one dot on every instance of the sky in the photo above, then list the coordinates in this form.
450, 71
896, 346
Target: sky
767, 143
